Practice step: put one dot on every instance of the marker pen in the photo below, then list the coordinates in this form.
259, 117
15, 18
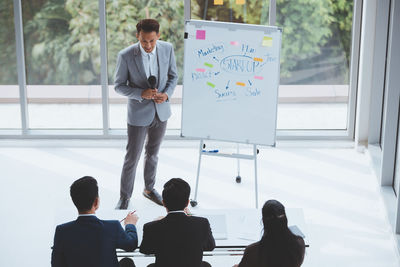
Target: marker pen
127, 216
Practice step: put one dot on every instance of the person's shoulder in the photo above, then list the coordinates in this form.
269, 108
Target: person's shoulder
165, 44
198, 219
113, 223
153, 224
300, 241
252, 247
128, 50
65, 226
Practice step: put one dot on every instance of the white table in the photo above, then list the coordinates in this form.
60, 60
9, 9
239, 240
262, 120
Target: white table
244, 226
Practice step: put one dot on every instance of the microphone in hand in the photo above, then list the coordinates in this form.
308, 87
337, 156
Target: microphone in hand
152, 81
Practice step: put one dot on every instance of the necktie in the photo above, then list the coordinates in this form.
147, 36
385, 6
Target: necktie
149, 64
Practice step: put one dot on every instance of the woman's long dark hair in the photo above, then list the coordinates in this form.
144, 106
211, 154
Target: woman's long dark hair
279, 247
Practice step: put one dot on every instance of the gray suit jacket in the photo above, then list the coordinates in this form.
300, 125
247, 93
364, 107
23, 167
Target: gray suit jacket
131, 80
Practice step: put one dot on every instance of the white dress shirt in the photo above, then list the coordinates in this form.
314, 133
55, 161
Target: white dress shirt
85, 215
177, 211
150, 62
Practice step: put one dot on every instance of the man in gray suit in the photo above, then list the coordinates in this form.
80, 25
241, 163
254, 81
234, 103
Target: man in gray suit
146, 74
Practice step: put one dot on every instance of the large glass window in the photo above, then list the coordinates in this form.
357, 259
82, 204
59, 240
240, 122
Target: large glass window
62, 54
315, 55
315, 63
239, 11
10, 115
122, 17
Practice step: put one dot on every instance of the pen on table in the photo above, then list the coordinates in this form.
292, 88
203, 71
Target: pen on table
211, 151
127, 216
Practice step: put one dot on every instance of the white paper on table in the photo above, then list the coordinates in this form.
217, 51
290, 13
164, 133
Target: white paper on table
250, 229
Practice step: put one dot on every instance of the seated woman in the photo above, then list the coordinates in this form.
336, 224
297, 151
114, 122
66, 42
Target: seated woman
278, 247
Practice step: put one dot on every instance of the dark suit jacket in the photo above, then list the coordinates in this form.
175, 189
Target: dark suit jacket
89, 242
177, 240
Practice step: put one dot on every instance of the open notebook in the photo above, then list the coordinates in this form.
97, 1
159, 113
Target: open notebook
218, 225
296, 230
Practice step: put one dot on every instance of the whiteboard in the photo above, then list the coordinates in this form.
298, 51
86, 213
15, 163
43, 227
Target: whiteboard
230, 83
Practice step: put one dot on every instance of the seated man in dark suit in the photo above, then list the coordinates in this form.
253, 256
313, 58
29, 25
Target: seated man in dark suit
178, 240
89, 241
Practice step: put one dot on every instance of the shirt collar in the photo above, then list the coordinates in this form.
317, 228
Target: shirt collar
176, 211
85, 215
144, 53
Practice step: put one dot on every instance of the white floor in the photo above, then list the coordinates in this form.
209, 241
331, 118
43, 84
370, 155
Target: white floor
346, 220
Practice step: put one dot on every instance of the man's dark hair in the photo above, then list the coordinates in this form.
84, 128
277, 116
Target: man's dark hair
83, 192
176, 194
148, 25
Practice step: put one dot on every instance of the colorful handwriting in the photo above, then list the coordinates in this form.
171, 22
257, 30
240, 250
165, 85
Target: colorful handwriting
247, 49
209, 50
201, 75
224, 94
252, 92
239, 64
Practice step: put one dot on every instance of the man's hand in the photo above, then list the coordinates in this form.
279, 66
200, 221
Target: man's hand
131, 218
160, 98
149, 93
187, 211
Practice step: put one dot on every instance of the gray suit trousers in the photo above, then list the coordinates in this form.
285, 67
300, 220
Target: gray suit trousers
136, 138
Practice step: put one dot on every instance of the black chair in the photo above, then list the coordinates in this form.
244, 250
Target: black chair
126, 262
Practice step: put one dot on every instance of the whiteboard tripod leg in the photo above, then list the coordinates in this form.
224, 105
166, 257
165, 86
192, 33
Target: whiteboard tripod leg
238, 177
193, 202
255, 174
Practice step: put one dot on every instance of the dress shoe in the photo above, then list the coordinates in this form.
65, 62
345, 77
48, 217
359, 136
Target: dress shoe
154, 196
123, 204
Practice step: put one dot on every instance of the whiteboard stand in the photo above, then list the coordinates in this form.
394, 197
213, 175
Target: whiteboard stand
238, 177
238, 156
